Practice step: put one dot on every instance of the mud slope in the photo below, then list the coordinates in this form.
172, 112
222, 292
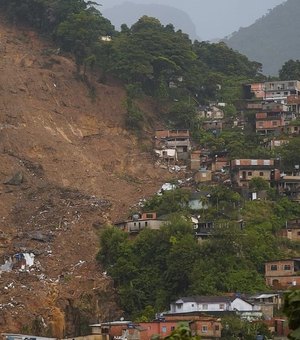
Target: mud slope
67, 165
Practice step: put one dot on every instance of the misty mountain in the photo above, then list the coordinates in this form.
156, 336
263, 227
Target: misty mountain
273, 39
129, 13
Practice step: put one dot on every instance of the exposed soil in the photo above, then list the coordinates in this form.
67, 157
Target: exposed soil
76, 169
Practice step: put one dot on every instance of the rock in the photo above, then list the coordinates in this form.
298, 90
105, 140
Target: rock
16, 179
38, 236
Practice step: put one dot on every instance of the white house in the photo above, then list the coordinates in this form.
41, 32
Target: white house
210, 304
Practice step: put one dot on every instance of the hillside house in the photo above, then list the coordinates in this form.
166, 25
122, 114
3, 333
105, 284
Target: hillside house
174, 139
273, 122
269, 123
203, 230
220, 162
210, 112
274, 107
167, 155
293, 129
291, 230
281, 90
205, 326
275, 143
195, 160
243, 170
203, 175
117, 330
268, 303
139, 222
283, 274
254, 91
214, 126
289, 186
293, 103
207, 304
254, 105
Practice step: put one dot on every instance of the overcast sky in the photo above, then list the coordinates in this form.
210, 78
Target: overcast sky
214, 18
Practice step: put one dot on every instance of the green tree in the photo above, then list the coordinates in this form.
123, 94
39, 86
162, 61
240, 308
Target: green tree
291, 308
290, 155
290, 70
80, 31
182, 333
258, 184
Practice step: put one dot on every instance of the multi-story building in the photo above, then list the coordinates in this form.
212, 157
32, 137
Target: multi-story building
282, 274
174, 139
269, 123
281, 90
243, 170
273, 118
254, 91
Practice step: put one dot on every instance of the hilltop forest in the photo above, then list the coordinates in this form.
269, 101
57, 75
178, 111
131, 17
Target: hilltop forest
155, 61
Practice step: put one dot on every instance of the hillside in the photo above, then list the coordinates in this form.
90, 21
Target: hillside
129, 12
271, 40
67, 165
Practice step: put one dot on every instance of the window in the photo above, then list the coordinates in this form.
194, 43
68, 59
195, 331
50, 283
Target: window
274, 123
298, 233
204, 329
172, 328
222, 306
217, 327
164, 329
193, 305
249, 173
273, 267
205, 307
261, 173
287, 267
149, 215
253, 161
146, 224
104, 330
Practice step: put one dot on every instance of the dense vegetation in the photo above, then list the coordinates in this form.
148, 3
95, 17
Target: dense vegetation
291, 308
159, 266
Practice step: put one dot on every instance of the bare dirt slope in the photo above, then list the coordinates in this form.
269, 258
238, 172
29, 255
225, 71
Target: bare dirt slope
76, 168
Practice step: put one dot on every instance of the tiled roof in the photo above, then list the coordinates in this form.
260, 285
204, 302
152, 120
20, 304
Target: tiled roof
205, 299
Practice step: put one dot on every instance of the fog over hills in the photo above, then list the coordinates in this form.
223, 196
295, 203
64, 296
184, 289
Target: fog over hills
129, 13
212, 18
273, 39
